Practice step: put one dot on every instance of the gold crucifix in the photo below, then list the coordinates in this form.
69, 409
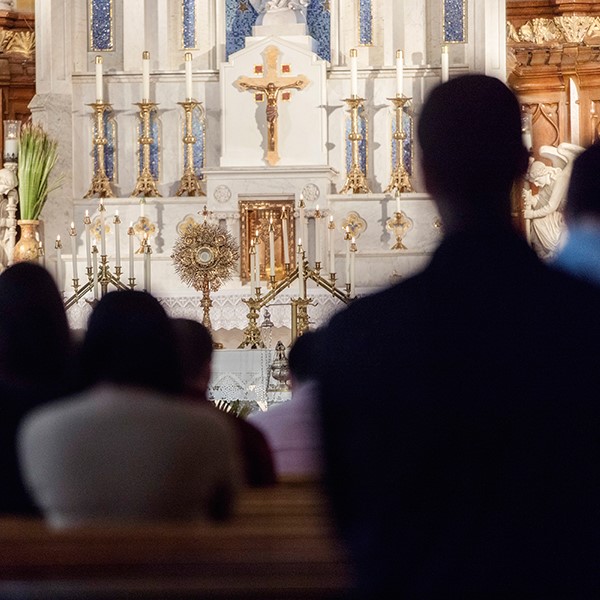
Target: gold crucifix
270, 85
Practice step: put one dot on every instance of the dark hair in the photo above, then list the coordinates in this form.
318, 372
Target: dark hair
195, 345
301, 357
469, 131
130, 340
583, 195
35, 340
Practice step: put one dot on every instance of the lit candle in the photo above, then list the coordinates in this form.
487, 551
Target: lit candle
88, 246
147, 249
354, 72
146, 76
59, 278
73, 236
352, 265
302, 220
330, 230
301, 293
399, 73
117, 222
348, 241
99, 87
257, 260
95, 270
188, 76
102, 230
251, 269
142, 205
397, 201
271, 247
131, 233
284, 233
445, 64
318, 241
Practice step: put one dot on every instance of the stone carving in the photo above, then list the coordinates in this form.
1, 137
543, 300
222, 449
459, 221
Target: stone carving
8, 214
310, 192
222, 194
277, 5
565, 29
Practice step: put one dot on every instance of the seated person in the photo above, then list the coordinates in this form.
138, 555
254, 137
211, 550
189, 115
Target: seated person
291, 427
128, 447
196, 347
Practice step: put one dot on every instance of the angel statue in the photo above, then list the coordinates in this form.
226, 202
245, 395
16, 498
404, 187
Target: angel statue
544, 195
8, 212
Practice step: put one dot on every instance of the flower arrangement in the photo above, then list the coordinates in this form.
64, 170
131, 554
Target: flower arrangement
37, 157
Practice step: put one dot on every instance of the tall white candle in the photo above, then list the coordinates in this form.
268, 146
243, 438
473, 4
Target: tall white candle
352, 265
73, 236
348, 241
99, 86
284, 234
117, 222
146, 76
251, 269
353, 72
130, 233
318, 239
59, 276
302, 233
257, 265
95, 270
445, 65
102, 229
142, 205
146, 264
271, 247
188, 76
301, 293
88, 245
330, 230
397, 201
399, 73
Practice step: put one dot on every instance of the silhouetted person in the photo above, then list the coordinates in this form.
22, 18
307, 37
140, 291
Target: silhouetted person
127, 447
35, 354
195, 345
291, 427
460, 407
580, 254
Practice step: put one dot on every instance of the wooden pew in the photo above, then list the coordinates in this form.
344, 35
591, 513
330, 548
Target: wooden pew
279, 545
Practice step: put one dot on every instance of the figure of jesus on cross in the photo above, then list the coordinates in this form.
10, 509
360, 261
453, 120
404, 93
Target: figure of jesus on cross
271, 85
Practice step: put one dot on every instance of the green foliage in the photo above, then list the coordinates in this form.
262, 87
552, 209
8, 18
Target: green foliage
37, 157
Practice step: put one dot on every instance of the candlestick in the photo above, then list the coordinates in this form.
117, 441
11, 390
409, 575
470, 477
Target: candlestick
399, 73
73, 236
301, 292
445, 68
88, 247
318, 241
99, 86
353, 72
330, 229
284, 233
59, 279
117, 222
188, 76
146, 76
102, 230
131, 233
271, 247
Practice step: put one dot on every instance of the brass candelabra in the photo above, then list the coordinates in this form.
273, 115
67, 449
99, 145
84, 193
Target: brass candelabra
190, 182
399, 180
146, 186
100, 182
356, 180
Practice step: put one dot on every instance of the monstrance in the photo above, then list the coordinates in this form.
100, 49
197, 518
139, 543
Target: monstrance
204, 256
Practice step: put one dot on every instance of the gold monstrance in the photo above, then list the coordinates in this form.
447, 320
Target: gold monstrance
204, 256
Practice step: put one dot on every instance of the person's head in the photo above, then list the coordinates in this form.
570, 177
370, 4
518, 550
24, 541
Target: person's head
35, 340
469, 131
301, 358
195, 346
130, 341
583, 195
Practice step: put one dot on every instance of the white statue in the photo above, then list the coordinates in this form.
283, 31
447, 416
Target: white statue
544, 196
8, 214
277, 5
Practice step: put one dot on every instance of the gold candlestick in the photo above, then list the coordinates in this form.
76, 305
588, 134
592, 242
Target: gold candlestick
399, 179
190, 182
399, 224
300, 316
100, 182
146, 186
356, 180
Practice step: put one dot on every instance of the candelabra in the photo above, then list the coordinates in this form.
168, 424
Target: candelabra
100, 183
146, 185
399, 180
190, 182
356, 180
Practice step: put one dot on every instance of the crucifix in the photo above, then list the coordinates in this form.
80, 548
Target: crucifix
270, 85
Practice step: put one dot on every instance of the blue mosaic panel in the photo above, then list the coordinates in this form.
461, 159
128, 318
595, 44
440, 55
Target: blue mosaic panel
455, 21
198, 130
109, 148
318, 19
407, 145
154, 154
365, 22
188, 25
101, 25
240, 16
362, 145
